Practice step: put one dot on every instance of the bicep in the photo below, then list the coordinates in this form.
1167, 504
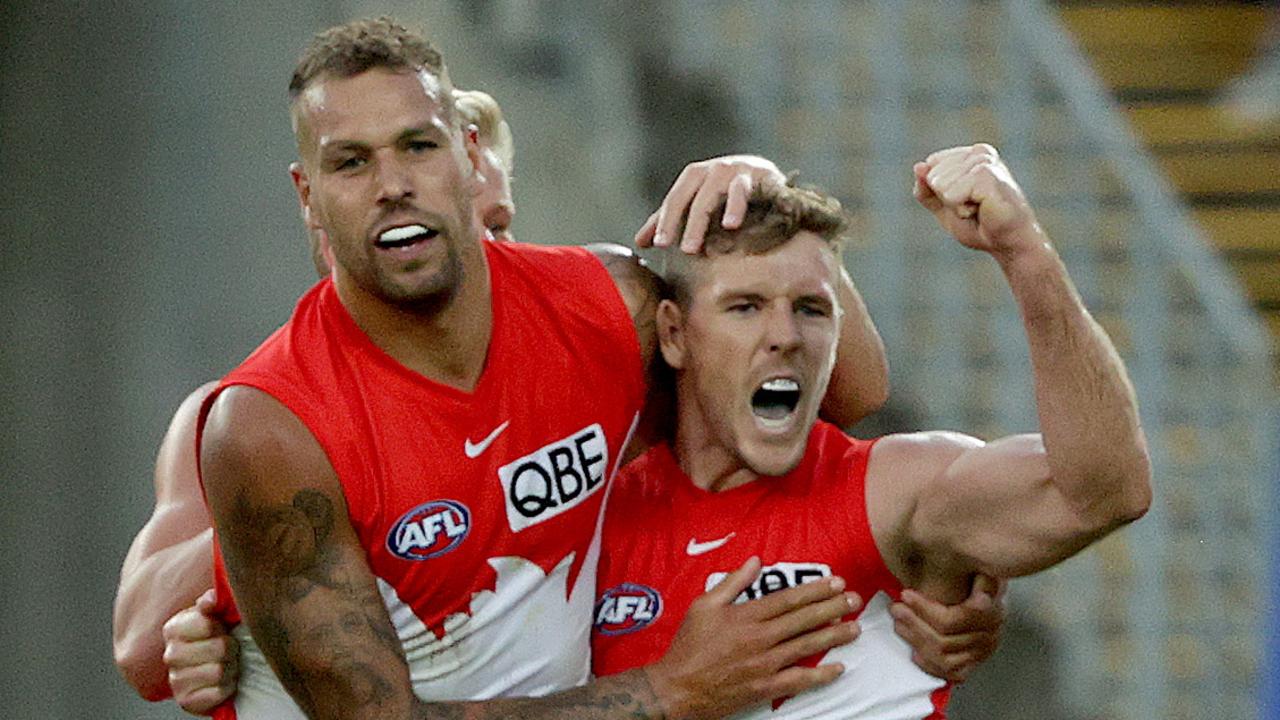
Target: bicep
179, 512
300, 576
995, 510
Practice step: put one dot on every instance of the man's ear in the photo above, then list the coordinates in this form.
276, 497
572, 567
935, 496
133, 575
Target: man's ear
302, 184
671, 339
471, 141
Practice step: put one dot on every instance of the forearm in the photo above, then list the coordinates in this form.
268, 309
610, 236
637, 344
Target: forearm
628, 695
1087, 410
152, 588
860, 380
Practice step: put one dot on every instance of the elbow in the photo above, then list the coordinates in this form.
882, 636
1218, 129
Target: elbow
146, 675
1131, 493
1138, 493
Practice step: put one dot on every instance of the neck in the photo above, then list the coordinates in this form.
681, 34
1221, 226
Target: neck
706, 459
447, 341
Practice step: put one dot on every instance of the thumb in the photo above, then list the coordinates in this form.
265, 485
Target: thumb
922, 191
735, 582
207, 603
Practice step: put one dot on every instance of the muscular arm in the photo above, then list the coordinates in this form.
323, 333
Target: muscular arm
306, 591
1023, 503
170, 562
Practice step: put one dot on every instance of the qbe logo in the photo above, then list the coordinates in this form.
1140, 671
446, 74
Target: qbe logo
555, 477
773, 578
429, 530
627, 608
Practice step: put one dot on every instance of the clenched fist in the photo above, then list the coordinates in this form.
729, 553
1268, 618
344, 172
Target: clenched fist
974, 197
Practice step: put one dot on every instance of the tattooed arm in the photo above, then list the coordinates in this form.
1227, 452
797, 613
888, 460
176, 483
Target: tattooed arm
305, 590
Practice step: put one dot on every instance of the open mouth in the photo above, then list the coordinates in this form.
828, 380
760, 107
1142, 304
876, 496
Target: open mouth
405, 236
776, 399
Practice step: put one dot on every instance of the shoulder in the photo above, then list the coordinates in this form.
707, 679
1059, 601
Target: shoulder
902, 465
921, 449
248, 435
903, 469
182, 427
175, 462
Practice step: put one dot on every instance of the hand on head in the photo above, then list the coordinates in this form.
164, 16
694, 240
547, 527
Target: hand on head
696, 193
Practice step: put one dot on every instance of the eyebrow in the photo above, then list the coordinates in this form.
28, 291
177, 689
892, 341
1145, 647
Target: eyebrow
738, 295
406, 134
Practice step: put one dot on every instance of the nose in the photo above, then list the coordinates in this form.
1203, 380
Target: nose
394, 181
781, 332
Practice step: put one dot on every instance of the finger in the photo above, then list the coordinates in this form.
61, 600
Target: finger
795, 680
207, 602
202, 701
945, 619
780, 603
992, 586
922, 191
955, 669
194, 654
734, 583
735, 205
699, 219
189, 624
958, 192
644, 236
191, 678
945, 175
671, 211
813, 643
812, 616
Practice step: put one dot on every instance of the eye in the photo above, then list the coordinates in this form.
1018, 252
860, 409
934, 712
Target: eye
744, 307
813, 310
421, 146
350, 163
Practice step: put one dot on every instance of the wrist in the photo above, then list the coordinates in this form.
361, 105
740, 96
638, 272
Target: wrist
667, 697
1027, 250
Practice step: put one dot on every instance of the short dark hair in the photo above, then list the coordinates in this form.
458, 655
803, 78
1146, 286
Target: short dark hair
350, 49
775, 214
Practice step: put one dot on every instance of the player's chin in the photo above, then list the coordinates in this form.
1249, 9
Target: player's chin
772, 456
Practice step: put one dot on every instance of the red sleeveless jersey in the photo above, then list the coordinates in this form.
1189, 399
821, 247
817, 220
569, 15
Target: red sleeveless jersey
667, 541
479, 512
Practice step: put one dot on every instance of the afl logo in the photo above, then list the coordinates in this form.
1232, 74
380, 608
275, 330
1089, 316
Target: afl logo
627, 608
429, 530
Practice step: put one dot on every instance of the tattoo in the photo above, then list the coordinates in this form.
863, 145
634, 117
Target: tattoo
324, 631
627, 695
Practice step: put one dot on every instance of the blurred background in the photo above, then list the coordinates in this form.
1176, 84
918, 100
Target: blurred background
151, 240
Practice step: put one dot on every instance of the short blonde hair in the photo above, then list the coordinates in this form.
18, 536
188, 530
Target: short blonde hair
480, 109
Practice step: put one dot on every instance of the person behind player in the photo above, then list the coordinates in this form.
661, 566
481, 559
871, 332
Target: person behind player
167, 569
750, 330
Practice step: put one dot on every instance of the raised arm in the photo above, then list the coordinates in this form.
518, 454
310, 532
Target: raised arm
170, 562
1023, 503
306, 591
